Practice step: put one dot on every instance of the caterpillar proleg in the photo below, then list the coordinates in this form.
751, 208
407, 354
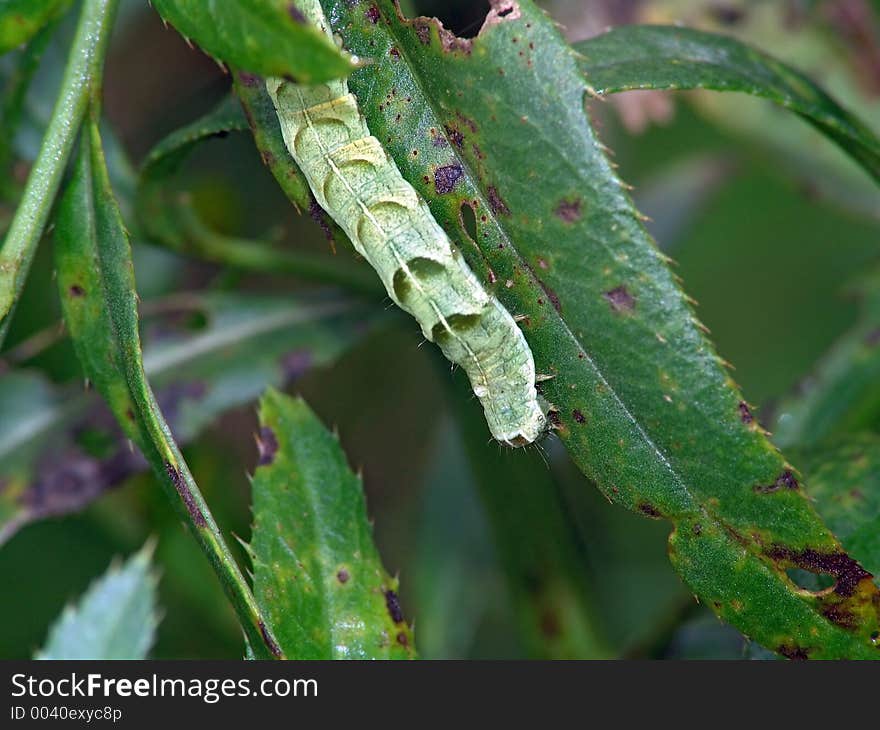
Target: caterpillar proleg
391, 226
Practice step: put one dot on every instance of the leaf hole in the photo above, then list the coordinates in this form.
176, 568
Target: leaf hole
468, 220
462, 18
816, 583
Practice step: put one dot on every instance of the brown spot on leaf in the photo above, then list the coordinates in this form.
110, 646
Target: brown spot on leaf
650, 510
840, 615
847, 573
422, 28
578, 416
467, 121
452, 42
373, 14
569, 210
267, 445
455, 136
553, 296
446, 177
620, 299
496, 202
789, 651
342, 576
392, 602
745, 412
786, 480
402, 638
77, 291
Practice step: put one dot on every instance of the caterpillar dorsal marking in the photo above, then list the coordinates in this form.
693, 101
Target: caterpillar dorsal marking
389, 223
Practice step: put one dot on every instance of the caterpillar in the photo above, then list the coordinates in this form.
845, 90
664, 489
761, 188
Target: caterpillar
356, 182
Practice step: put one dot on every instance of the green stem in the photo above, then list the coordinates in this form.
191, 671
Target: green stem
157, 441
84, 65
181, 488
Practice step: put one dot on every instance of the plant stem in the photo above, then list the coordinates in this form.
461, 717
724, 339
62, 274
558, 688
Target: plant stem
181, 488
83, 66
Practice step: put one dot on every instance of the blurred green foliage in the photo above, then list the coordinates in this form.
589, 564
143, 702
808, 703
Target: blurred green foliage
767, 261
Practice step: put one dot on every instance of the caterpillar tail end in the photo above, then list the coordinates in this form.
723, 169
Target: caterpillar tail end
529, 430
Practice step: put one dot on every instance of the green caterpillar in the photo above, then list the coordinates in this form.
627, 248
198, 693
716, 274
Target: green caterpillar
391, 226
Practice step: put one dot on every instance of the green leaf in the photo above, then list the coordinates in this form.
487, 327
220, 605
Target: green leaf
317, 573
20, 20
825, 48
845, 486
456, 585
842, 395
81, 78
60, 449
672, 57
548, 576
261, 36
167, 217
115, 619
99, 301
642, 402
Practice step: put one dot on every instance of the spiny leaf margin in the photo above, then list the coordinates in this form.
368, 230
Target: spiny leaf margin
317, 573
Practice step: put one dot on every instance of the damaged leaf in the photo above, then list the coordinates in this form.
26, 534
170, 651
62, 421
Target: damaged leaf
844, 483
317, 574
640, 399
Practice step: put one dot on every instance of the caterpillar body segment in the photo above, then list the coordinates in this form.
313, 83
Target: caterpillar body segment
391, 226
